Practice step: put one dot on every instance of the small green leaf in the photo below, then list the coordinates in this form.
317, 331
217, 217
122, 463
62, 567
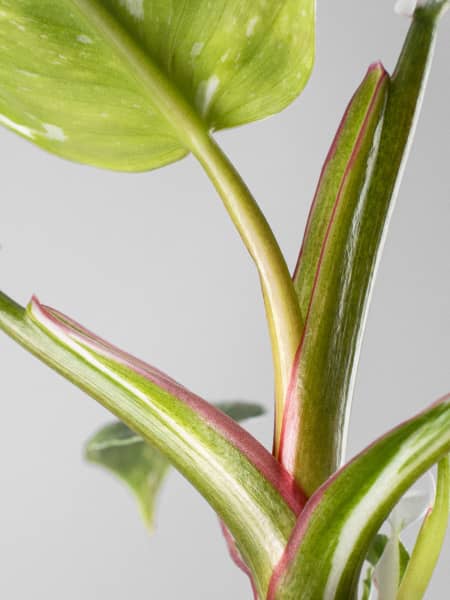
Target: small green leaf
333, 533
114, 83
240, 411
377, 547
138, 464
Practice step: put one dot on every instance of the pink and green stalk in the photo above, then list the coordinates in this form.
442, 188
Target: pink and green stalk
341, 250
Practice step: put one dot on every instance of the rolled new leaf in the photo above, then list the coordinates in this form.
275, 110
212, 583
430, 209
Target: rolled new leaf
139, 465
250, 491
331, 271
340, 254
118, 84
333, 533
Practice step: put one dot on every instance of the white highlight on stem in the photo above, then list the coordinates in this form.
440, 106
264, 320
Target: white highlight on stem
134, 7
53, 132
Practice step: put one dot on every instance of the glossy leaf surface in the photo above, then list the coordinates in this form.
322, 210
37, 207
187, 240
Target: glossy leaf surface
138, 464
107, 82
256, 499
331, 280
333, 533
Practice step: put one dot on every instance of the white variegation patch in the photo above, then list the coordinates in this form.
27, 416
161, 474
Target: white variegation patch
53, 132
205, 93
134, 7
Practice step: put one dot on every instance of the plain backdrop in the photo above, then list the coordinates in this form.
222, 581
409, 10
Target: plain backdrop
151, 262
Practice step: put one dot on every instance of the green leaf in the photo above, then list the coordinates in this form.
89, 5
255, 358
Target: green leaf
333, 533
143, 468
341, 250
122, 84
252, 494
240, 411
139, 465
390, 567
429, 541
377, 547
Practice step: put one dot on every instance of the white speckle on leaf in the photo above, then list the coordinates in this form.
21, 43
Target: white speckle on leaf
53, 132
19, 26
27, 73
197, 49
134, 7
304, 13
251, 26
22, 129
225, 56
205, 93
84, 39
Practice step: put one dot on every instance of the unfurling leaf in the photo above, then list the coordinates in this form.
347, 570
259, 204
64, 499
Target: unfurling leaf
141, 466
109, 82
332, 282
341, 251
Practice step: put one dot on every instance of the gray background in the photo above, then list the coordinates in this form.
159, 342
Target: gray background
151, 262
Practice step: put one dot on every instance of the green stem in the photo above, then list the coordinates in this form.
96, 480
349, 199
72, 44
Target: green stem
283, 312
429, 541
282, 307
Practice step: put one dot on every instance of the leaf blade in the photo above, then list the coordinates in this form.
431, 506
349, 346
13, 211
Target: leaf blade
75, 74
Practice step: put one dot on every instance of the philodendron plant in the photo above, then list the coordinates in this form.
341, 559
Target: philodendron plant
132, 85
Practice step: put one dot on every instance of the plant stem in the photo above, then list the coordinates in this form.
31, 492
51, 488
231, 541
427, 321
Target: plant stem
429, 541
282, 307
283, 312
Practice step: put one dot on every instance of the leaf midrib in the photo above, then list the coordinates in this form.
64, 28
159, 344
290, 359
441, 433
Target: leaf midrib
178, 113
